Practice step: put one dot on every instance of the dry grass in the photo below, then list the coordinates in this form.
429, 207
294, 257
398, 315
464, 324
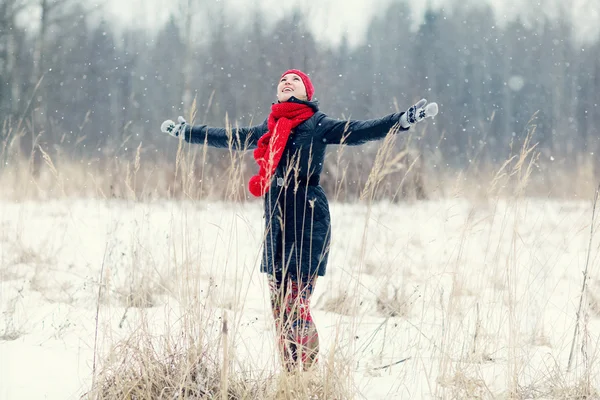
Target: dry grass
167, 368
340, 303
197, 356
392, 302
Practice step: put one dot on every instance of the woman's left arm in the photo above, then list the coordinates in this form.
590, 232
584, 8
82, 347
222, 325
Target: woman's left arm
355, 132
358, 132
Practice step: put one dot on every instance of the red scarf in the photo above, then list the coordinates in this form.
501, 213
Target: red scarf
283, 118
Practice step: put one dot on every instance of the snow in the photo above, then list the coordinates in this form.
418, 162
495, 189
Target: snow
481, 290
42, 369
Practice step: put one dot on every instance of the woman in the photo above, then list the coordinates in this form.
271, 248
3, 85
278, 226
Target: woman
289, 148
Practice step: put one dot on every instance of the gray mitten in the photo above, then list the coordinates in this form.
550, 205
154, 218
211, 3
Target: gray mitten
418, 112
173, 129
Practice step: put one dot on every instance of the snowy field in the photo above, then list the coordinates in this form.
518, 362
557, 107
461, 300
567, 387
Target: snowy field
481, 298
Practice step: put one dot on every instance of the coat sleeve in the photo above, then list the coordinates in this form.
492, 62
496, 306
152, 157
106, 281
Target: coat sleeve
244, 138
353, 132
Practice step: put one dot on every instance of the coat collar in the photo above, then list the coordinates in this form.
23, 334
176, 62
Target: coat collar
312, 104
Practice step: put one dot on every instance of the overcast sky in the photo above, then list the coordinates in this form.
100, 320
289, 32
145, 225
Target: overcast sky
330, 19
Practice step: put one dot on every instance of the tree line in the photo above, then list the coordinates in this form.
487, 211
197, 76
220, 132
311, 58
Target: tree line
89, 89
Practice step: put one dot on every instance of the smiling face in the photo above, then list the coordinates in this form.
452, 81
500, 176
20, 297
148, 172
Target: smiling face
291, 85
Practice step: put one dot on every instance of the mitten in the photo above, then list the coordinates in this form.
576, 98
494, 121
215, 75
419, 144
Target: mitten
173, 129
418, 112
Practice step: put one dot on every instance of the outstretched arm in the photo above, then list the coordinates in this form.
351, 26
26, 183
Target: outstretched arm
358, 132
237, 138
354, 132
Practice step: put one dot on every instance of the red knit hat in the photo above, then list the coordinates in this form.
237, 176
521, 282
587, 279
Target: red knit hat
305, 79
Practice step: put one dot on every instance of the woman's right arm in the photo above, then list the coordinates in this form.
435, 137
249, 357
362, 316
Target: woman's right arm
236, 138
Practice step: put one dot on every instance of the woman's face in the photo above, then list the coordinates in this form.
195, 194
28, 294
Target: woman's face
291, 85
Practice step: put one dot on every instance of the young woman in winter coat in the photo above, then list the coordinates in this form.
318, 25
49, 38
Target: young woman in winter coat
289, 148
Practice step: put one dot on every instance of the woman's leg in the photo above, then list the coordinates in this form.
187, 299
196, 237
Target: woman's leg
302, 330
276, 294
296, 331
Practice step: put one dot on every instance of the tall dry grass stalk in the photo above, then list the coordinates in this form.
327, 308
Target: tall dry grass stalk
581, 334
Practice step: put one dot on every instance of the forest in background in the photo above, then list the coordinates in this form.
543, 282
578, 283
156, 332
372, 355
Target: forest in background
93, 94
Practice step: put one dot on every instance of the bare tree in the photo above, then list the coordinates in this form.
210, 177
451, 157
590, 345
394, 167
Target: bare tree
56, 18
9, 94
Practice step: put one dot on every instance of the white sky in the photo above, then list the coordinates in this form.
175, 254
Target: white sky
329, 19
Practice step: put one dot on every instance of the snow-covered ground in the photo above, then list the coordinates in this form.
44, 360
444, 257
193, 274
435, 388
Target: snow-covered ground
481, 297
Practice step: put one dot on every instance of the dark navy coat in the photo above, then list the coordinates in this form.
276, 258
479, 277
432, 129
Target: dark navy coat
297, 220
